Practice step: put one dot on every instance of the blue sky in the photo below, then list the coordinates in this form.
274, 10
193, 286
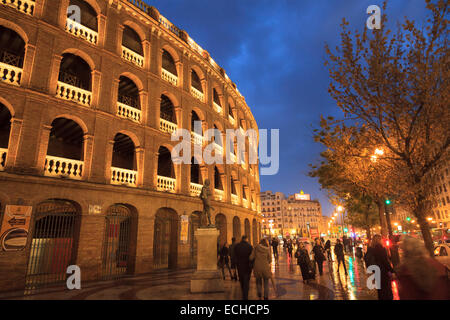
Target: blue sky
274, 52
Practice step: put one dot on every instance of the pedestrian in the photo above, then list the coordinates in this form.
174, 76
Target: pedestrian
319, 257
224, 260
242, 252
420, 277
261, 268
275, 244
381, 259
289, 248
304, 262
340, 256
345, 243
328, 250
233, 259
393, 250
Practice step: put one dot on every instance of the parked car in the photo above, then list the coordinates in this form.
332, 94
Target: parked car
442, 254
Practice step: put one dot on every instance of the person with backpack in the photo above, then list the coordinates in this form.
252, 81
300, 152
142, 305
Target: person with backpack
340, 255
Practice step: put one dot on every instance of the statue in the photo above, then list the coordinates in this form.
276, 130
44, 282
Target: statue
205, 195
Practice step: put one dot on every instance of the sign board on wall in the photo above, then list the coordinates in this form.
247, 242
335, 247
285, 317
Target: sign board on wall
302, 196
15, 226
184, 232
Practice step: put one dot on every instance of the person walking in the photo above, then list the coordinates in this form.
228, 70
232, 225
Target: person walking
275, 244
242, 252
289, 248
420, 277
233, 259
340, 256
381, 259
327, 248
319, 257
304, 262
224, 260
261, 268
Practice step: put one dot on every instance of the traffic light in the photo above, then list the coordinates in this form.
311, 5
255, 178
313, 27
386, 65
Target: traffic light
345, 230
387, 201
408, 219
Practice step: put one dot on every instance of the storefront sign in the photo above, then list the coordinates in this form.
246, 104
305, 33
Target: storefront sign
15, 225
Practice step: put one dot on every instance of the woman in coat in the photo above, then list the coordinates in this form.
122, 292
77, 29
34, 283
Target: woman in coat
304, 262
261, 267
319, 257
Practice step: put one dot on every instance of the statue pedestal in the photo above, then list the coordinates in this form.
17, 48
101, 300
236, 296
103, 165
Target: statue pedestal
207, 278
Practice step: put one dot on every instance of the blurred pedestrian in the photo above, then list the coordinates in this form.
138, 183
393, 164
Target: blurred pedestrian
319, 257
275, 244
340, 256
261, 268
420, 277
224, 260
233, 259
328, 250
242, 252
304, 262
289, 248
381, 259
393, 250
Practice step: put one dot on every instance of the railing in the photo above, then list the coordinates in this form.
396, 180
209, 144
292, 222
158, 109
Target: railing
24, 6
62, 167
78, 95
195, 189
167, 126
80, 31
197, 94
132, 56
169, 77
121, 176
196, 138
231, 119
218, 194
166, 184
169, 25
10, 74
245, 202
3, 154
234, 199
140, 4
217, 108
127, 112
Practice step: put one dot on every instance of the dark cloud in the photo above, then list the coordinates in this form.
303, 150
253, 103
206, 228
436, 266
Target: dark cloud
274, 52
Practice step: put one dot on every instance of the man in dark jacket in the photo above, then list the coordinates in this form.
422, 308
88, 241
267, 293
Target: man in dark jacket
340, 256
275, 249
242, 252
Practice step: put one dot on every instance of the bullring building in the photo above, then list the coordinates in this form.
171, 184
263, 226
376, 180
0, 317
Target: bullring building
87, 108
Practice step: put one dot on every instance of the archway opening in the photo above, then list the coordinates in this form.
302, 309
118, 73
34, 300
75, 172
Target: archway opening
132, 41
165, 240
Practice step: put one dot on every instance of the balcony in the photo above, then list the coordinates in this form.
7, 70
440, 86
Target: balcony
3, 154
169, 77
67, 92
218, 194
195, 189
231, 119
234, 199
197, 94
166, 184
80, 31
123, 177
64, 168
24, 6
217, 108
196, 138
132, 56
10, 74
127, 112
167, 126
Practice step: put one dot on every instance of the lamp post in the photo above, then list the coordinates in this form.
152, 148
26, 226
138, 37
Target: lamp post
340, 210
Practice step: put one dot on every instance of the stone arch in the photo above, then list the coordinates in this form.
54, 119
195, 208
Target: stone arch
237, 232
137, 81
11, 25
165, 238
247, 230
72, 117
199, 71
131, 135
137, 28
220, 220
83, 55
172, 52
8, 106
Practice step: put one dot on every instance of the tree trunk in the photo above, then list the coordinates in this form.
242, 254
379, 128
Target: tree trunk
369, 234
424, 227
380, 206
388, 222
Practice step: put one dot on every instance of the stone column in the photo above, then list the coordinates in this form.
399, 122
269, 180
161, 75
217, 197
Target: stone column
88, 144
54, 73
96, 86
119, 39
28, 65
13, 144
101, 30
147, 54
207, 278
43, 146
140, 166
108, 160
143, 98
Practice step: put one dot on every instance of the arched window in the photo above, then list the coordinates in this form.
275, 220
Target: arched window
132, 41
217, 136
129, 105
196, 119
233, 187
195, 172
65, 150
216, 97
168, 119
195, 81
168, 63
84, 26
217, 179
165, 165
12, 53
75, 71
124, 152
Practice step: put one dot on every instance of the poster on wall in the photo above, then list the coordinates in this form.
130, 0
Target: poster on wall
314, 232
15, 225
184, 229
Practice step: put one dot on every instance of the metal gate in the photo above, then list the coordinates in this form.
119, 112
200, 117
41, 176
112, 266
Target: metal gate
51, 252
165, 240
116, 244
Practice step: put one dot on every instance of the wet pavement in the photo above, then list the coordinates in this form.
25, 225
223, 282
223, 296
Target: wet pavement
174, 285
